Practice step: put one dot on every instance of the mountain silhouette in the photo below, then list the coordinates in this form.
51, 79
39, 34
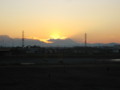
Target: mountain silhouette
7, 41
63, 42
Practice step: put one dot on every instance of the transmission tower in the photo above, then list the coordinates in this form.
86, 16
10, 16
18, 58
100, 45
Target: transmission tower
85, 39
23, 39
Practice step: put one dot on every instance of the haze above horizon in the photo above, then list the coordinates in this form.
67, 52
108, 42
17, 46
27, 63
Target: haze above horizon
60, 19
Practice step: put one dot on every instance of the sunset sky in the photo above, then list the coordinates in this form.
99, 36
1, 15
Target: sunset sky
59, 19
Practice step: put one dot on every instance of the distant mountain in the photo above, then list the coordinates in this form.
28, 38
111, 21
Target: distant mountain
63, 42
10, 42
5, 40
112, 44
4, 37
102, 44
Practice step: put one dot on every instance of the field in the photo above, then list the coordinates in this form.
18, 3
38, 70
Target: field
102, 76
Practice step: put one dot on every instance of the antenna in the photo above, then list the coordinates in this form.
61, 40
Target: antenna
22, 39
85, 39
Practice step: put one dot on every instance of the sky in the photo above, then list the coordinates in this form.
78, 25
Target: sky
60, 19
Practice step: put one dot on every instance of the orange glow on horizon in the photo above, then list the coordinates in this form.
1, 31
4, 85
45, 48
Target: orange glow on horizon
54, 35
43, 40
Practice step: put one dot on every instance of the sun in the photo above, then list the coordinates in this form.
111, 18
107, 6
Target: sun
56, 36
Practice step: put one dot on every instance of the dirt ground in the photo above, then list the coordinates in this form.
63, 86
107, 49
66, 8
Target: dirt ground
60, 77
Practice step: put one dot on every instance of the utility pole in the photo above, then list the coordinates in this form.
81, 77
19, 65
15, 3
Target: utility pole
22, 39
